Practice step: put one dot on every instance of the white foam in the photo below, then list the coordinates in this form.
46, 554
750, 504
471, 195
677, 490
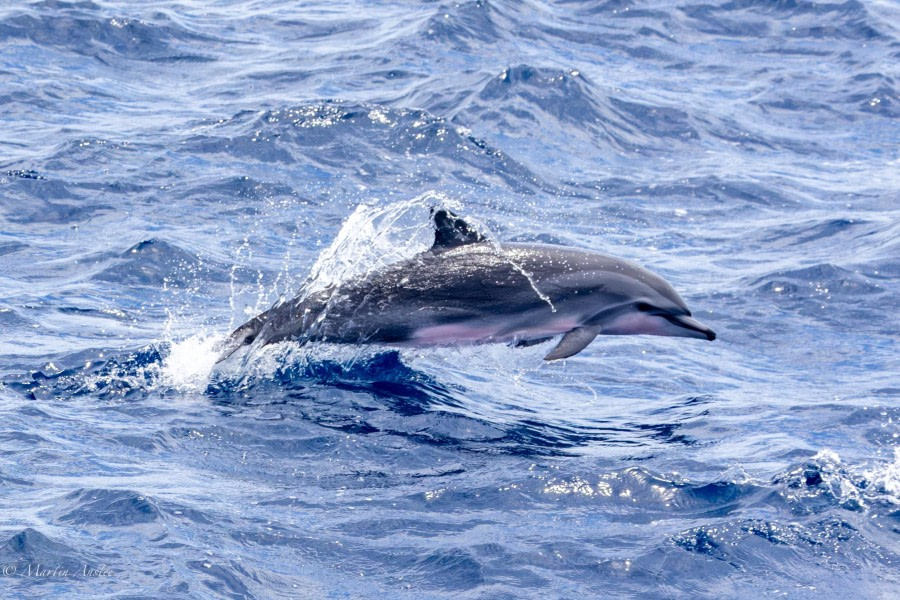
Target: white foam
885, 479
190, 363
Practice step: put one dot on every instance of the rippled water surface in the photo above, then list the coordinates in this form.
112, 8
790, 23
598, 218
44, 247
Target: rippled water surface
169, 169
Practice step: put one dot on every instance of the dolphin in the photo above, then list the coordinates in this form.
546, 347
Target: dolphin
468, 290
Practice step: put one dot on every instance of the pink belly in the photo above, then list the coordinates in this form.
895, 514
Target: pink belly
462, 333
453, 334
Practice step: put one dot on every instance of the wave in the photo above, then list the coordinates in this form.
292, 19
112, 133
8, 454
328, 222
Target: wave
810, 20
83, 28
325, 137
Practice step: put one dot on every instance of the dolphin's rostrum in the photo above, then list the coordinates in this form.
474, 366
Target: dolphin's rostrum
468, 290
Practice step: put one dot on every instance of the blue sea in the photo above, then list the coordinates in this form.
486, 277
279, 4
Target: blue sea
170, 168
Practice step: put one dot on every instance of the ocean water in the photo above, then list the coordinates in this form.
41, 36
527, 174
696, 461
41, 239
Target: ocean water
170, 168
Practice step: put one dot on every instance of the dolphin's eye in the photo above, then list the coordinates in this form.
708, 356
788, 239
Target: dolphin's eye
644, 307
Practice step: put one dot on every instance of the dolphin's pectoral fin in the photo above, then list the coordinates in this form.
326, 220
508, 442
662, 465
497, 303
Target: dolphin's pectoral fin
535, 342
572, 343
451, 231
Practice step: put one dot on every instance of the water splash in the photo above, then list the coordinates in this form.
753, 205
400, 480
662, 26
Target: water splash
884, 480
825, 480
373, 238
526, 274
190, 362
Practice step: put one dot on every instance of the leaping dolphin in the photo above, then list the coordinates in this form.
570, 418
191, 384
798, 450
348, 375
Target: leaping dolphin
467, 290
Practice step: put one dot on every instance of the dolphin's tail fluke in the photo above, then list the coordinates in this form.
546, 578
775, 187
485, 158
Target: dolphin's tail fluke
243, 336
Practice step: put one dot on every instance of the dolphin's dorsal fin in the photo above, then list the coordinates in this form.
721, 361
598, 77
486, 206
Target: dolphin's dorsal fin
572, 343
451, 231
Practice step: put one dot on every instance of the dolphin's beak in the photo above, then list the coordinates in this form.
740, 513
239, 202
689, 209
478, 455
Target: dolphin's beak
694, 328
242, 336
